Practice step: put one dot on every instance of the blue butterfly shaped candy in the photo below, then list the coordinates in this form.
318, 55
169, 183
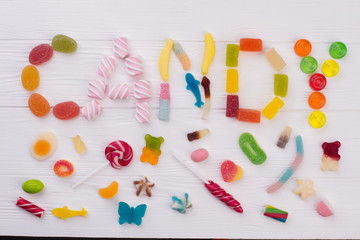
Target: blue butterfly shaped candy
181, 204
130, 214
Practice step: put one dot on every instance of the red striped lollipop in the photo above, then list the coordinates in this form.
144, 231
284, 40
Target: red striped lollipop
119, 154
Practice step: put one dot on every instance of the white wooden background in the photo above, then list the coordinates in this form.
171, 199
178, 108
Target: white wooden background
147, 24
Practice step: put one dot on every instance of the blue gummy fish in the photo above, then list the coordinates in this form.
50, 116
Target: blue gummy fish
193, 86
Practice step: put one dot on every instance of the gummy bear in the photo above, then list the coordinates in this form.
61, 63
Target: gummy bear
330, 158
151, 151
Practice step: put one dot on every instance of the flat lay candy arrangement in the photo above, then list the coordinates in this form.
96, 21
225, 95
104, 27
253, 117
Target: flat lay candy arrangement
118, 154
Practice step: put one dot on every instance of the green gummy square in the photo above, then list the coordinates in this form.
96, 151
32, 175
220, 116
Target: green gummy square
280, 85
232, 54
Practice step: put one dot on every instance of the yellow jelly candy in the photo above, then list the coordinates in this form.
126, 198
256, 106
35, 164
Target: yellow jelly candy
164, 60
209, 53
232, 81
317, 119
330, 68
109, 191
150, 155
30, 78
272, 108
79, 145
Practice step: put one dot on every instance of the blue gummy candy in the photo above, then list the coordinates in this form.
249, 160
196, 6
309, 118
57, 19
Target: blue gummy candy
193, 86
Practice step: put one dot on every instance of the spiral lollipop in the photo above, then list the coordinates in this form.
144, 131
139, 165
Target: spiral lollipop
118, 153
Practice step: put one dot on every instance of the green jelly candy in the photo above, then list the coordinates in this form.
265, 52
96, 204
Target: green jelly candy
280, 85
153, 142
338, 50
251, 149
232, 54
33, 186
65, 44
308, 65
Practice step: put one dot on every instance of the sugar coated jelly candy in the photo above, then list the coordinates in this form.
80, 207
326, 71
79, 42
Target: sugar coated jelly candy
65, 44
280, 85
40, 54
317, 119
251, 149
30, 78
308, 65
302, 47
232, 55
275, 59
232, 81
38, 105
316, 100
249, 115
338, 50
230, 171
66, 110
317, 81
182, 56
272, 108
232, 105
109, 191
251, 44
330, 68
63, 168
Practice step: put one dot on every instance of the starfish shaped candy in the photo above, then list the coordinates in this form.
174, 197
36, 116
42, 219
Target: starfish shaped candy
143, 186
305, 189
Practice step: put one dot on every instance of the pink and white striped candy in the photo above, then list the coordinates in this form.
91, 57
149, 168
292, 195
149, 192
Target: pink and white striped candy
143, 112
106, 66
142, 89
118, 91
92, 110
119, 154
96, 89
134, 65
121, 48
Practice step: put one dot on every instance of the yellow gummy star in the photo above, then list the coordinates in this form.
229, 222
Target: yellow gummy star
305, 189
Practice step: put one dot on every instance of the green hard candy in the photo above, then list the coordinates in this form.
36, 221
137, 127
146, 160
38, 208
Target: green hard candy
232, 54
65, 44
338, 50
308, 65
280, 85
251, 149
33, 186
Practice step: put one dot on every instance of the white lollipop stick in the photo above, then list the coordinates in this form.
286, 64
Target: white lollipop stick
89, 175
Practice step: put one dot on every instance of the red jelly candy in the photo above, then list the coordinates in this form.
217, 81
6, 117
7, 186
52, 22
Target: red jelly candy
66, 110
331, 149
40, 54
249, 115
317, 81
232, 105
251, 45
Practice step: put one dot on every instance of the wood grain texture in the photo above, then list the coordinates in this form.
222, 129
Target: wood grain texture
147, 24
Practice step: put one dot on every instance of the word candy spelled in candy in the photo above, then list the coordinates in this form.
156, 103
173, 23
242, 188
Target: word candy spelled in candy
40, 54
251, 45
109, 191
272, 108
30, 207
130, 214
64, 168
65, 44
151, 151
43, 146
209, 53
308, 65
66, 110
275, 59
199, 155
96, 89
330, 158
230, 171
305, 189
317, 119
205, 82
121, 49
316, 100
249, 115
338, 50
118, 91
232, 55
182, 56
30, 78
193, 86
181, 204
197, 134
276, 213
330, 68
38, 105
251, 149
317, 81
164, 106
65, 213
119, 154
302, 47
134, 65
164, 59
33, 186
232, 81
284, 137
280, 85
143, 186
79, 145
232, 105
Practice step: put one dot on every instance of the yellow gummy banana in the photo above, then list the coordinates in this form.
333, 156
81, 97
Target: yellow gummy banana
209, 53
164, 60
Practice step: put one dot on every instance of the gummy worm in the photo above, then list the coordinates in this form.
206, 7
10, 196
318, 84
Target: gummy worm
181, 55
290, 171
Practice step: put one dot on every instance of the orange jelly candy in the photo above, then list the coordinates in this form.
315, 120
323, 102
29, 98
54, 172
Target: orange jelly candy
249, 115
302, 47
251, 44
30, 78
38, 105
109, 191
316, 100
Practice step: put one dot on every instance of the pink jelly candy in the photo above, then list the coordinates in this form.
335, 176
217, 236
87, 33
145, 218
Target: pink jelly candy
232, 105
40, 54
199, 155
